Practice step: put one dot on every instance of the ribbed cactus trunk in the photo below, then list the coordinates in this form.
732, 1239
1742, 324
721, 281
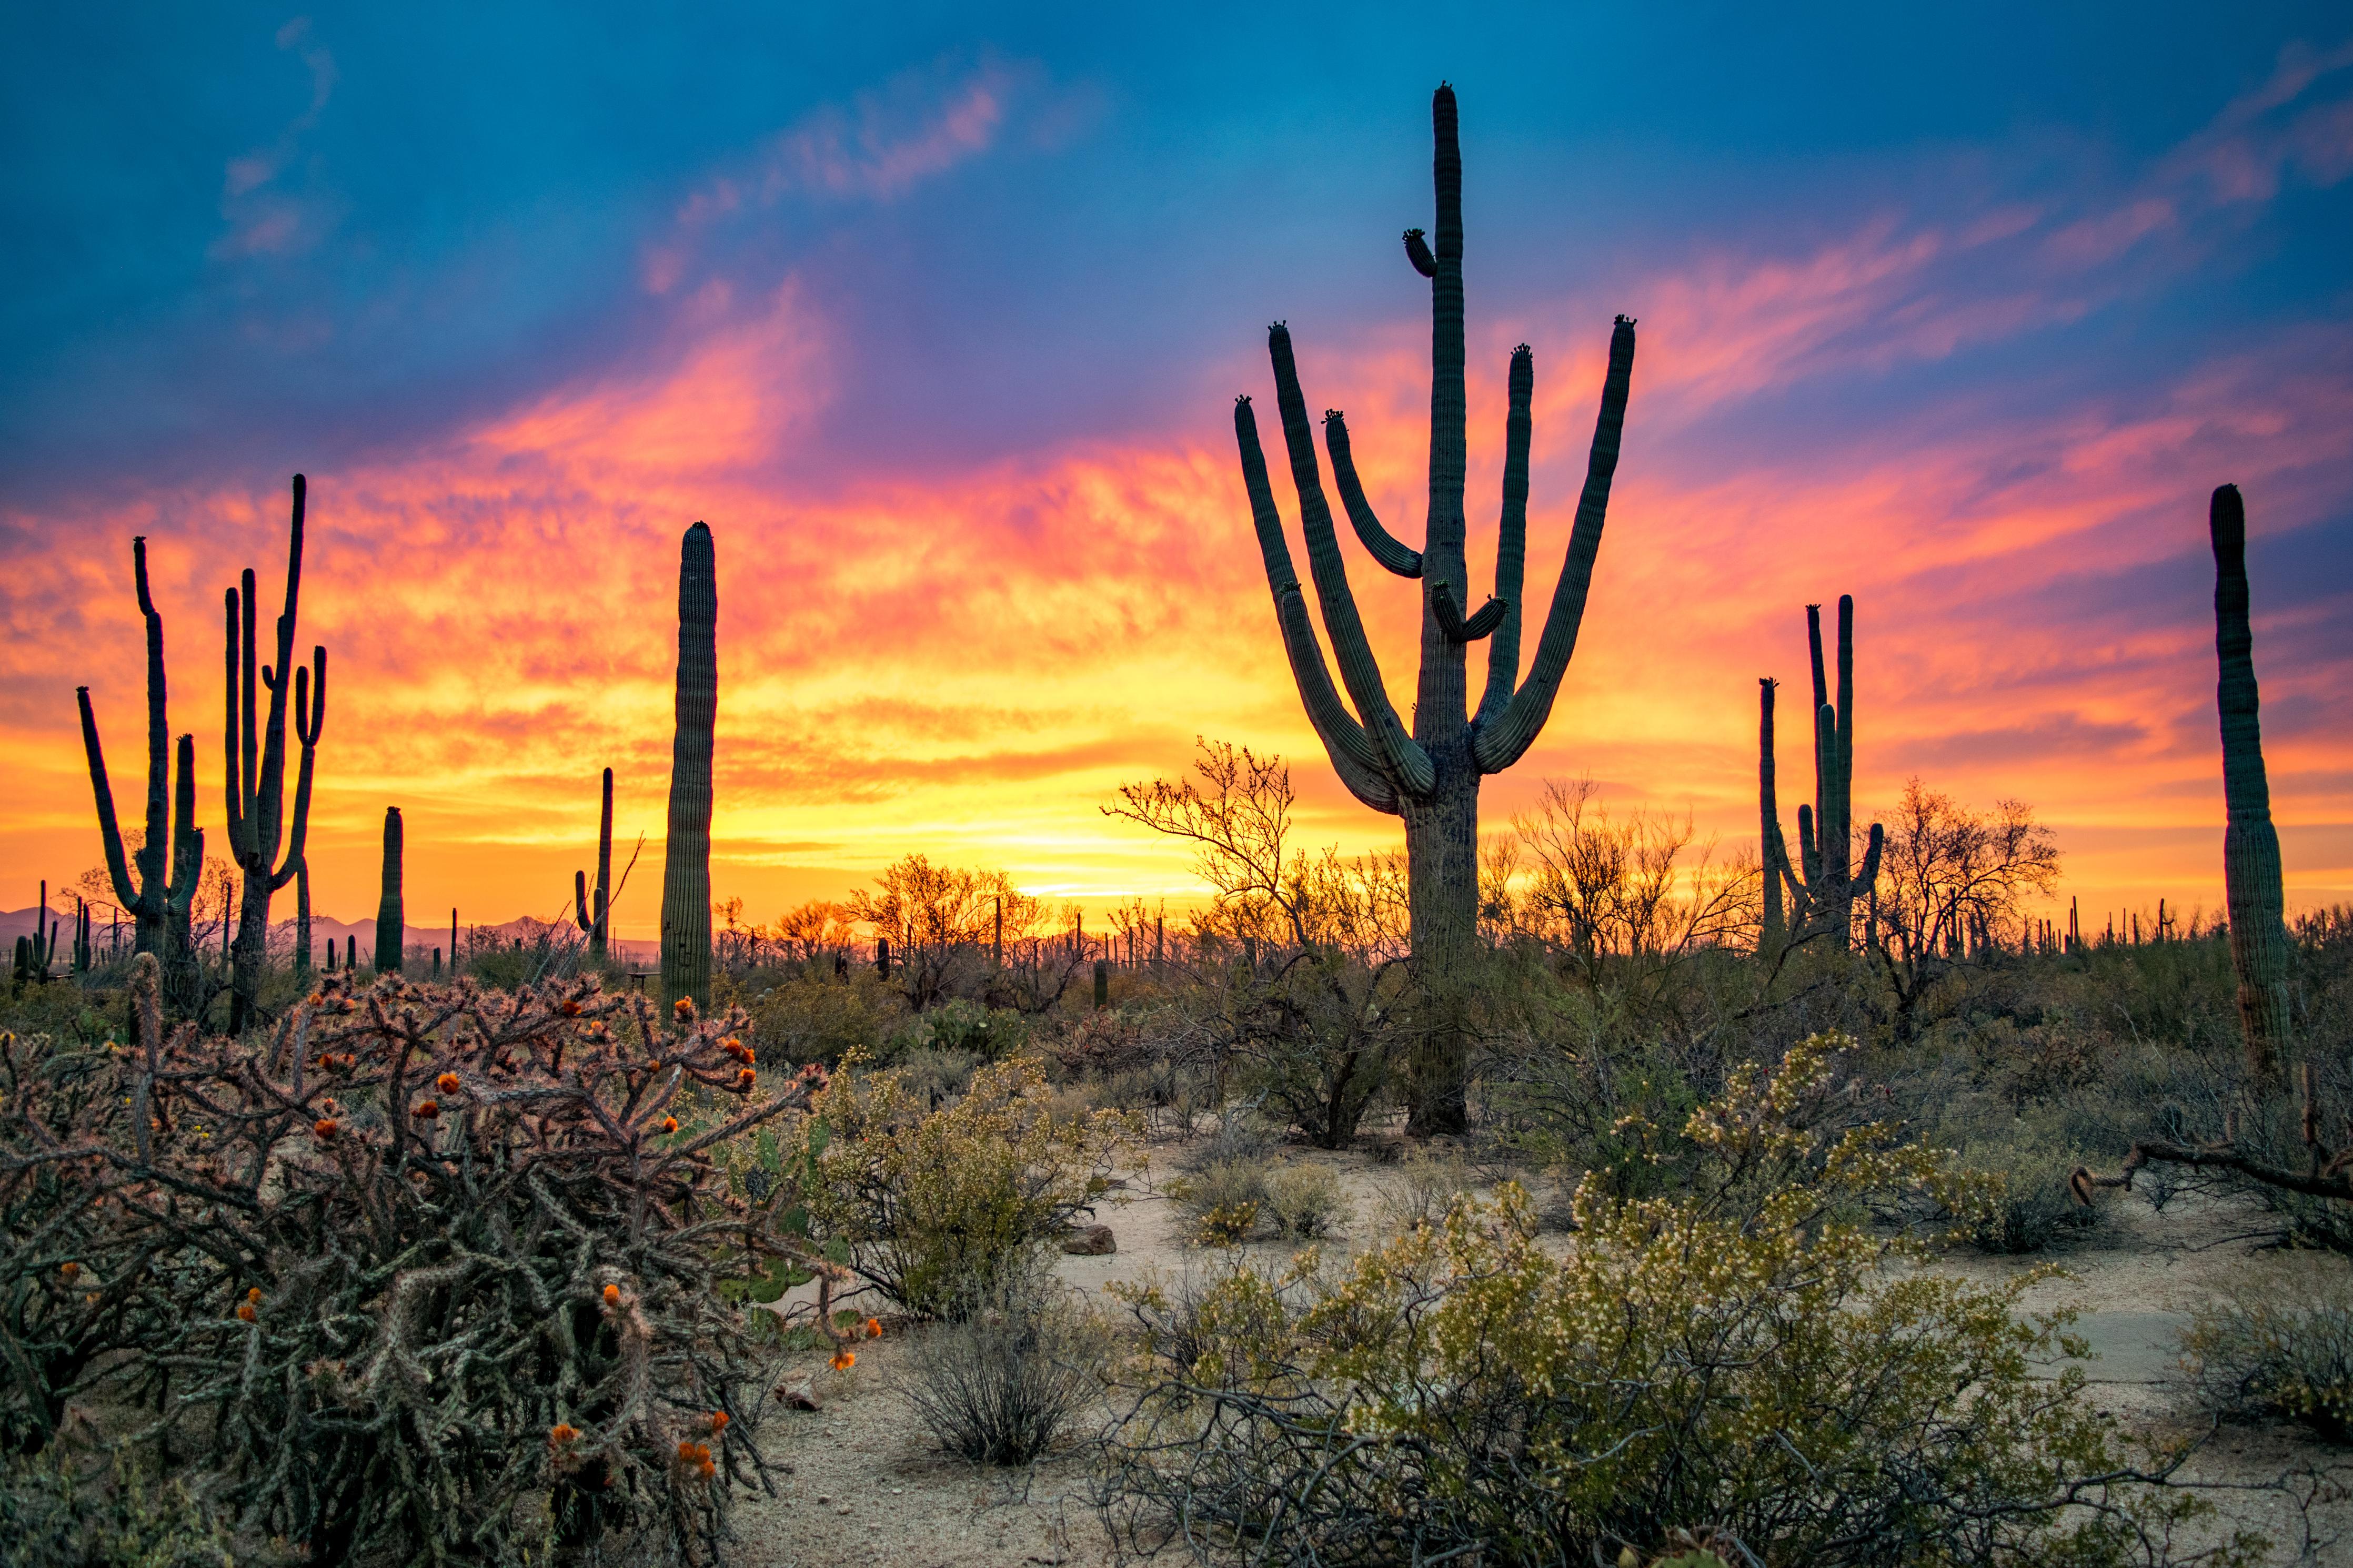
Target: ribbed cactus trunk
183, 973
2250, 851
686, 870
1771, 848
1430, 777
302, 917
255, 759
390, 922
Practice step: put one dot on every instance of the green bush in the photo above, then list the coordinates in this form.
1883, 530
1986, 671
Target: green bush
1737, 1351
934, 1206
2032, 1159
1305, 1203
53, 1515
1223, 1202
2284, 1347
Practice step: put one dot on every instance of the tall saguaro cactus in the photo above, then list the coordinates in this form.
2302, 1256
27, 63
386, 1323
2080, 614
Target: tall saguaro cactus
1430, 777
686, 872
255, 764
159, 895
1824, 885
590, 920
2250, 851
390, 922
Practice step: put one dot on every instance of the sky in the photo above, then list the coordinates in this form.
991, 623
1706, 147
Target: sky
937, 318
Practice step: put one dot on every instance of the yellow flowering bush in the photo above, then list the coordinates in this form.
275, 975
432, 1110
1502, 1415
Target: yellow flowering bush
934, 1204
1737, 1354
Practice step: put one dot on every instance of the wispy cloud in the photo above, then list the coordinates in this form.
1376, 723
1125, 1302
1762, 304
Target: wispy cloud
268, 216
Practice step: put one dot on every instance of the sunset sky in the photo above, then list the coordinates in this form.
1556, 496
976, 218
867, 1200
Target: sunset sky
938, 324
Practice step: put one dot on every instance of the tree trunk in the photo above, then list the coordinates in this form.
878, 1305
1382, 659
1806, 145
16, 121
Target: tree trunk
250, 956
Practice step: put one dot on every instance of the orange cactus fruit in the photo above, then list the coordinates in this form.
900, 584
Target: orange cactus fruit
70, 1271
873, 1327
746, 1079
447, 1083
324, 1127
244, 1312
253, 1294
719, 1421
706, 1470
563, 1432
570, 1009
844, 1360
426, 1110
612, 1295
669, 1123
684, 1008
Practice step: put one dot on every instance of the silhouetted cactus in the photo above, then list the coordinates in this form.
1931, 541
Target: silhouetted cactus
590, 919
254, 755
158, 897
1430, 777
388, 916
686, 870
302, 917
2250, 851
1823, 887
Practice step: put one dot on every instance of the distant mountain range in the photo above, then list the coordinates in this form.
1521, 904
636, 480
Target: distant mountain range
15, 923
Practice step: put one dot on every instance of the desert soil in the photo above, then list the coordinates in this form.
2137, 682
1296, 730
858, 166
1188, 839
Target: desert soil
860, 1482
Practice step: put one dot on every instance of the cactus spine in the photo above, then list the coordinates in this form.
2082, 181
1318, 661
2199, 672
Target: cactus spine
255, 758
686, 871
1823, 887
388, 919
1430, 777
159, 895
2250, 851
590, 920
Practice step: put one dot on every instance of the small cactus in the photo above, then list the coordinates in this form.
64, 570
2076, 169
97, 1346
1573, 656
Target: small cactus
388, 922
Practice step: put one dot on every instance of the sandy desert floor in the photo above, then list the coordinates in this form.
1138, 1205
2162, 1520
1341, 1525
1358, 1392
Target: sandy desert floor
860, 1482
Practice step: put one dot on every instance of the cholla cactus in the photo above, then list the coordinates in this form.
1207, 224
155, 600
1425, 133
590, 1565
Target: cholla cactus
427, 1251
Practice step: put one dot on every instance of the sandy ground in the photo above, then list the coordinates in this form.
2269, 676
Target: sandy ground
860, 1483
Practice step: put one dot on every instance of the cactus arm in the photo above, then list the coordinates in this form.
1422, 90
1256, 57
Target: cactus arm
1501, 741
307, 733
1404, 761
155, 853
187, 839
580, 900
1870, 872
1353, 755
1842, 836
1455, 625
1770, 848
1378, 541
1511, 539
1807, 848
1417, 250
235, 780
118, 865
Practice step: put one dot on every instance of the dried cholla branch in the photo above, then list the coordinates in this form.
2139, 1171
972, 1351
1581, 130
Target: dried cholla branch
2329, 1173
444, 1312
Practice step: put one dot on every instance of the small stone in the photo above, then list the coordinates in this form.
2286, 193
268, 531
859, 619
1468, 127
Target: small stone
1089, 1241
797, 1396
823, 1501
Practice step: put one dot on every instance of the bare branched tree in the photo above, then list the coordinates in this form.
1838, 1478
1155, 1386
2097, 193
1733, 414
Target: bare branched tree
1949, 878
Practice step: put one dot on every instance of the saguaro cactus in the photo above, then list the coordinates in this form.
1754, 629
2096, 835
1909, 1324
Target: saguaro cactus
158, 897
255, 766
1823, 887
686, 871
389, 923
1430, 777
302, 917
591, 919
2250, 851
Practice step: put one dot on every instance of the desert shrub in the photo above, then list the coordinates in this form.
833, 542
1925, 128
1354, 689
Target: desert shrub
2282, 1349
427, 1252
1736, 1353
1223, 1203
1002, 1383
1319, 1040
2033, 1158
934, 1206
811, 1016
1423, 1187
1240, 1134
971, 1029
1303, 1201
54, 1516
936, 1074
